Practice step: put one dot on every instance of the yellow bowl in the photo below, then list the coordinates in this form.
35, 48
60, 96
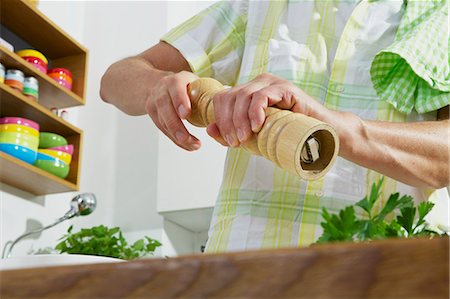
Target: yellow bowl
63, 156
19, 129
21, 139
32, 53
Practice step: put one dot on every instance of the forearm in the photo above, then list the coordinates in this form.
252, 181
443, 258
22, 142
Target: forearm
413, 153
127, 84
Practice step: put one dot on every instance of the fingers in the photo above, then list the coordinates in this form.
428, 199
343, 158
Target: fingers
223, 109
232, 112
213, 131
176, 129
161, 109
177, 87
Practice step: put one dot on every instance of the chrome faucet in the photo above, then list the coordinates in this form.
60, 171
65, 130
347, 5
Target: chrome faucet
81, 205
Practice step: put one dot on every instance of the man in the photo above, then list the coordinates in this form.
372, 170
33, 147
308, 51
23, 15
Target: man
377, 71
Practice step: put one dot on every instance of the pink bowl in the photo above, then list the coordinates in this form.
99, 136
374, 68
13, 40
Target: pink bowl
64, 148
64, 83
19, 121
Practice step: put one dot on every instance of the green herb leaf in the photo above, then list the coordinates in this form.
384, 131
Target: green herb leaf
367, 203
345, 226
103, 241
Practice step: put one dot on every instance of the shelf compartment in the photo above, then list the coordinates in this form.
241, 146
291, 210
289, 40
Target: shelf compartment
51, 94
29, 178
13, 103
45, 36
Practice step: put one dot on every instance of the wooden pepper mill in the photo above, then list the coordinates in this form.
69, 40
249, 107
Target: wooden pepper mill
302, 145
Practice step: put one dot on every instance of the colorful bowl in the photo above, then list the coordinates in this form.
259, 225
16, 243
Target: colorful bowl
48, 140
61, 71
65, 148
56, 167
19, 121
63, 156
19, 152
19, 129
60, 77
32, 53
20, 139
37, 63
64, 84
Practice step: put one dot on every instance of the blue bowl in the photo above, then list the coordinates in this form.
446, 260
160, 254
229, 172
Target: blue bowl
20, 152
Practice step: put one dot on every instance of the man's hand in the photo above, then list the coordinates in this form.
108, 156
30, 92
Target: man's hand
168, 103
240, 111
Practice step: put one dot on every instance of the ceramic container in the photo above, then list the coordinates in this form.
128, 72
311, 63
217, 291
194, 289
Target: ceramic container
62, 76
20, 152
63, 156
14, 79
35, 58
32, 53
48, 140
56, 167
61, 71
19, 121
36, 63
65, 148
20, 139
11, 128
31, 88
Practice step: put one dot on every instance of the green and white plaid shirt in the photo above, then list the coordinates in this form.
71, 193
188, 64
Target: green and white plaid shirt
381, 60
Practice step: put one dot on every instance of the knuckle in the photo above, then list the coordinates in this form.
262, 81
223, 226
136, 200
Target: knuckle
244, 94
258, 95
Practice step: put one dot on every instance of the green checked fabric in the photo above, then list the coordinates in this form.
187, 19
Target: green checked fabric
414, 72
381, 60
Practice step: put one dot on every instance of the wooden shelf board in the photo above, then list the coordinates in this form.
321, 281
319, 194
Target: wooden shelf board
13, 103
37, 29
51, 94
29, 178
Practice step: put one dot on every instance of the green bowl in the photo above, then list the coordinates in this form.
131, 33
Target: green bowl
48, 140
56, 167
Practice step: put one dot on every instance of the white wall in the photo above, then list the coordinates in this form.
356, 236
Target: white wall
16, 207
120, 154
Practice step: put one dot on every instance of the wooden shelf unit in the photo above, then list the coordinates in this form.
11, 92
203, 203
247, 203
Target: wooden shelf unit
62, 51
51, 94
45, 36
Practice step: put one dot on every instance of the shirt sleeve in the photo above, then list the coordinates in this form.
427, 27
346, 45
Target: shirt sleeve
414, 72
213, 41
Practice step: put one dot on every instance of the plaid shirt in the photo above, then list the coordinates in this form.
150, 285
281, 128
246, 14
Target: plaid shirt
381, 60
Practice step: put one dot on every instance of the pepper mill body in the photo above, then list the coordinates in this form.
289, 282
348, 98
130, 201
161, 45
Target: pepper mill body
283, 137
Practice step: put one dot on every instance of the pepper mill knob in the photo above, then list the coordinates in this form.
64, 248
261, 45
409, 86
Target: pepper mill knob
302, 145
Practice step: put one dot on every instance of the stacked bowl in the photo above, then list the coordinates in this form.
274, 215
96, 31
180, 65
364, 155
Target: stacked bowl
36, 58
54, 154
19, 137
62, 76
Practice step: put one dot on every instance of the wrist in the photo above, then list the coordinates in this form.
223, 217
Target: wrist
348, 126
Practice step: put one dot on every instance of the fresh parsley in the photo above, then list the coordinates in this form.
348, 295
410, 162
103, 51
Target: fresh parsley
104, 241
347, 226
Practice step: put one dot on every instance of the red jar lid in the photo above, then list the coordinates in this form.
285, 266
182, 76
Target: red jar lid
60, 70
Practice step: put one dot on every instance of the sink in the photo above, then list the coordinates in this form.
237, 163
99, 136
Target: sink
51, 260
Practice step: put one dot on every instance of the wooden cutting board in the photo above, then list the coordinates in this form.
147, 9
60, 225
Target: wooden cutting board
408, 268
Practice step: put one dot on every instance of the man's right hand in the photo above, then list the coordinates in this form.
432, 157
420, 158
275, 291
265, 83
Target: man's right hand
168, 103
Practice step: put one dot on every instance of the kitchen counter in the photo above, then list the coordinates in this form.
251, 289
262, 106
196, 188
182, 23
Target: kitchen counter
402, 268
